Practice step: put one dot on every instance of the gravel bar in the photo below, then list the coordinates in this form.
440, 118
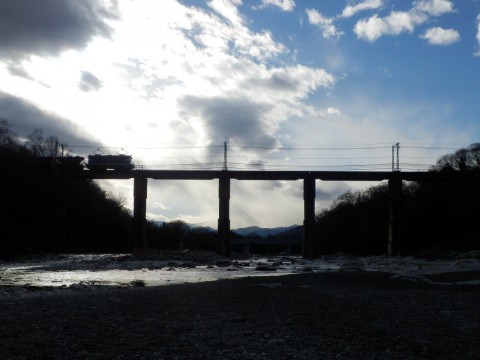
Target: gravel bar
338, 315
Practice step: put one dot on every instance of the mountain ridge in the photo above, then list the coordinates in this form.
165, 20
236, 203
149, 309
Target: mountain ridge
263, 232
255, 231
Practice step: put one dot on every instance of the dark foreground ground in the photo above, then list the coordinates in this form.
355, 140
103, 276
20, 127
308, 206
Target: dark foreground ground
349, 315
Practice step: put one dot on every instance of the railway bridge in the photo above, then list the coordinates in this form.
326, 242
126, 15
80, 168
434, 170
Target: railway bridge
141, 177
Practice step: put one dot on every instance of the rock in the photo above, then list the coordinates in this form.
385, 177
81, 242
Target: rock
77, 286
138, 283
265, 267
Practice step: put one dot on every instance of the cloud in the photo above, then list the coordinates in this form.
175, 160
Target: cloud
26, 117
211, 33
89, 82
327, 191
434, 7
294, 82
263, 98
17, 69
333, 111
50, 27
241, 121
325, 24
397, 22
440, 36
285, 5
228, 9
351, 10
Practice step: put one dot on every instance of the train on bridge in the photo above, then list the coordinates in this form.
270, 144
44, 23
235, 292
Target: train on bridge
110, 162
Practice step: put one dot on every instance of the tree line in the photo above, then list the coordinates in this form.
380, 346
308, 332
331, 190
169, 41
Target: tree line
436, 217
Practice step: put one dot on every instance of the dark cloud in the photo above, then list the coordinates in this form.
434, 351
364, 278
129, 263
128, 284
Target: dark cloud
329, 191
240, 121
89, 82
17, 69
26, 117
278, 82
48, 27
324, 191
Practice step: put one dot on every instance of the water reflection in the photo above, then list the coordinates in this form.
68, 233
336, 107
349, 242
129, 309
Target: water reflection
124, 270
70, 271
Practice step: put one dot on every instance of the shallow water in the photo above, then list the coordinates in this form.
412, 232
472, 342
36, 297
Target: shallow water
125, 270
106, 269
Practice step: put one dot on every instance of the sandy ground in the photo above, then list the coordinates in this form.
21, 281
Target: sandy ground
335, 315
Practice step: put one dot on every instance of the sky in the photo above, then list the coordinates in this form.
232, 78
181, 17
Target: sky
286, 84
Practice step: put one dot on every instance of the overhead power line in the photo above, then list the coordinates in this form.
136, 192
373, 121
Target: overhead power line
370, 156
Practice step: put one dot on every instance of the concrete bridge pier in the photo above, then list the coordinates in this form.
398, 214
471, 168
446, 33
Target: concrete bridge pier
223, 244
139, 214
308, 248
394, 246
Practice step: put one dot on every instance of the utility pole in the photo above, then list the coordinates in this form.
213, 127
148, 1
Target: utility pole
396, 166
393, 158
225, 167
398, 156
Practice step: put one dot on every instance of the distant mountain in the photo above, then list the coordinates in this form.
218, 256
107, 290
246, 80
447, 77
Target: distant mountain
190, 226
294, 232
263, 232
291, 232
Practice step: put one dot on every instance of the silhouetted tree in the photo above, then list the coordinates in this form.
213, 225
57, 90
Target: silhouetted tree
437, 216
177, 234
9, 144
461, 160
355, 223
51, 214
41, 146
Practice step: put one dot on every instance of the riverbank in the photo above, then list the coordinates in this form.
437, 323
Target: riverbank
335, 315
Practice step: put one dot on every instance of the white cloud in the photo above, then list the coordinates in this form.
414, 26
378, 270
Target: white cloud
325, 24
333, 111
371, 29
285, 5
434, 7
440, 36
228, 9
351, 10
397, 22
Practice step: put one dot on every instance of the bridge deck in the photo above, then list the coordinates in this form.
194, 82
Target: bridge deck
246, 175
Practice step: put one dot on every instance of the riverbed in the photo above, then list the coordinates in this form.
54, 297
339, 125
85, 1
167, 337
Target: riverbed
123, 270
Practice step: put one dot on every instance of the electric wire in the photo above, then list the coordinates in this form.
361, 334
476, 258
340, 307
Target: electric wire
248, 156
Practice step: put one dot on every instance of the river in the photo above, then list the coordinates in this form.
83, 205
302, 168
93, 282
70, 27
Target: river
120, 270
